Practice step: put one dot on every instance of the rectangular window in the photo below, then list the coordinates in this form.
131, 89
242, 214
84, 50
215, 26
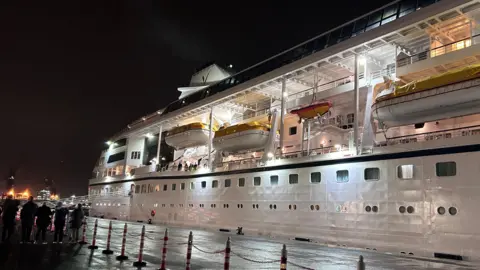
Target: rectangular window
371, 174
292, 131
228, 182
137, 189
174, 186
293, 179
342, 176
448, 168
241, 182
273, 180
144, 188
135, 155
204, 184
157, 188
257, 181
192, 185
116, 157
182, 186
315, 177
405, 172
215, 184
165, 187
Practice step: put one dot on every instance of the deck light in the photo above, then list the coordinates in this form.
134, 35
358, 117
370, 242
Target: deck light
270, 155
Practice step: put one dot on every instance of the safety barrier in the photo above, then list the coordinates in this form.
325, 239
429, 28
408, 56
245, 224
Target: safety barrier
228, 251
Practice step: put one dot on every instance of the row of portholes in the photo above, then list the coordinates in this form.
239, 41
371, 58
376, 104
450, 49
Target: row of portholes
315, 207
452, 210
369, 208
294, 207
240, 205
225, 205
274, 206
105, 204
409, 209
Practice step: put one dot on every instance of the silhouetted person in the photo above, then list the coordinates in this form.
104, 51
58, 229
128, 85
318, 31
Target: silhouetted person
27, 216
9, 212
77, 221
44, 218
59, 222
179, 166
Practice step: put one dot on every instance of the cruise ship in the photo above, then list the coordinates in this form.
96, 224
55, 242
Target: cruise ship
365, 136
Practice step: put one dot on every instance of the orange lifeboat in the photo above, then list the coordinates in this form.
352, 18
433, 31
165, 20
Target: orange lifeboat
313, 110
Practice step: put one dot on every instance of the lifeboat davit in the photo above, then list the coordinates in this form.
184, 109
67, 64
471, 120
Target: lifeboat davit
311, 111
451, 94
191, 135
242, 137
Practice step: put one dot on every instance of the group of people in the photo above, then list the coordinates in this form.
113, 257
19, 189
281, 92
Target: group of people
43, 215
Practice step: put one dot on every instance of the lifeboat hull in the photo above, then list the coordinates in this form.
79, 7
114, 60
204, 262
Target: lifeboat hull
312, 111
188, 139
453, 100
247, 140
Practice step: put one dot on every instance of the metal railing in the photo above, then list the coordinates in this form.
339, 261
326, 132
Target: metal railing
432, 136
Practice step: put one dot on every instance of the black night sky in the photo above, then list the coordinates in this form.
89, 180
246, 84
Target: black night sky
73, 73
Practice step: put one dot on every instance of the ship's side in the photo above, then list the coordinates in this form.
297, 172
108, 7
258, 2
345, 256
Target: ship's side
364, 142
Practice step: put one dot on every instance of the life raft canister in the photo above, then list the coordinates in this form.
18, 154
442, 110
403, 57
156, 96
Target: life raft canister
153, 213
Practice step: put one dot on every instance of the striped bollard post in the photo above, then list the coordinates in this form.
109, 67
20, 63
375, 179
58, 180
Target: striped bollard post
94, 238
124, 241
361, 264
84, 240
226, 265
140, 261
108, 250
189, 251
164, 251
283, 260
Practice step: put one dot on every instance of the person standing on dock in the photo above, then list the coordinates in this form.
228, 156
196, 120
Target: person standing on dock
8, 217
59, 222
44, 218
27, 216
77, 221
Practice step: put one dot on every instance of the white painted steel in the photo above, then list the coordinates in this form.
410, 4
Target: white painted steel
188, 139
242, 141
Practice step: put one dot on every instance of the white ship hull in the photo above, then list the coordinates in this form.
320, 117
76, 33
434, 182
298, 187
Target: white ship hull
187, 139
450, 101
244, 140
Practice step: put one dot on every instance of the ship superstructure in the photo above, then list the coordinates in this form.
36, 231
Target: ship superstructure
367, 136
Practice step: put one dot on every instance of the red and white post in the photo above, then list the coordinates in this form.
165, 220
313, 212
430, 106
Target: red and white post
189, 251
226, 265
94, 239
140, 261
84, 240
124, 241
164, 251
283, 259
108, 250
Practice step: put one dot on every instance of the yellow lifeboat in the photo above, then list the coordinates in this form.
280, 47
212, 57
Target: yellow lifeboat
250, 136
313, 110
186, 136
451, 94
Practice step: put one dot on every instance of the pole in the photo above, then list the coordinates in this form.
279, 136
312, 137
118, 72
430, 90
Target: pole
164, 251
308, 137
124, 241
226, 265
283, 259
108, 251
355, 104
302, 135
282, 113
159, 144
93, 246
361, 264
210, 139
84, 241
140, 262
189, 251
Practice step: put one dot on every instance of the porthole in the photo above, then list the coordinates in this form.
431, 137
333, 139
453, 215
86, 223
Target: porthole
270, 206
441, 210
238, 205
274, 206
253, 206
317, 207
290, 207
312, 207
375, 209
452, 211
401, 209
241, 205
410, 209
256, 206
368, 208
294, 207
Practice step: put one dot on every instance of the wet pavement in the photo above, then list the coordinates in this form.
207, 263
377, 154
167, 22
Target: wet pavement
247, 253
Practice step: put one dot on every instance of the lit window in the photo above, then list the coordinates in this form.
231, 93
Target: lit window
241, 182
293, 179
315, 177
192, 185
405, 172
342, 176
257, 181
157, 188
371, 174
228, 182
273, 180
446, 168
214, 183
182, 186
204, 184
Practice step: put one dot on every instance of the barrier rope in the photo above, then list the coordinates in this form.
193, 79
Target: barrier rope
209, 252
300, 266
252, 260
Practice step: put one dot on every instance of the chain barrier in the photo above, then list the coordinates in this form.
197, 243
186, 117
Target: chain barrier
208, 252
300, 266
252, 260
